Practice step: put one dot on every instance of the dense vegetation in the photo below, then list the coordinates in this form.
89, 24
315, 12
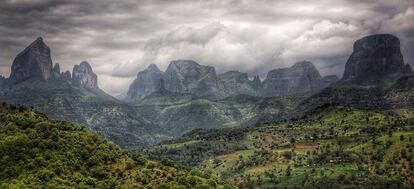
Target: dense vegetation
36, 152
332, 147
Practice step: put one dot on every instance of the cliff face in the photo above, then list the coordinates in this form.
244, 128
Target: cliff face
374, 58
32, 62
147, 82
83, 76
301, 77
187, 76
235, 83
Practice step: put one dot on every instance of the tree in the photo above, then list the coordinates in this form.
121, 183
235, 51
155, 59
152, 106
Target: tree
288, 171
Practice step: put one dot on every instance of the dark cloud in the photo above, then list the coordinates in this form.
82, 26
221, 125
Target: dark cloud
120, 38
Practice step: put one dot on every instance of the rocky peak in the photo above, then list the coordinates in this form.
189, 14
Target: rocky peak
187, 76
33, 62
66, 76
147, 82
83, 76
374, 57
235, 82
301, 77
55, 73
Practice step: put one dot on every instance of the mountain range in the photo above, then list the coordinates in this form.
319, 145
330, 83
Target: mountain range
189, 77
294, 129
164, 105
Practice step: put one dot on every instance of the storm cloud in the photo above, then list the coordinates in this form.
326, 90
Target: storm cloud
120, 38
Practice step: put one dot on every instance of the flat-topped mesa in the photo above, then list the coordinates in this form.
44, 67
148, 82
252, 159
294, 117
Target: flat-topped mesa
375, 57
187, 76
147, 82
33, 62
83, 76
301, 77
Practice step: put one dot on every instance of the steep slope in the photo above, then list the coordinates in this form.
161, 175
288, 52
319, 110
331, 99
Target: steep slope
75, 98
302, 77
177, 113
187, 76
147, 82
237, 83
371, 76
33, 61
37, 152
374, 60
92, 107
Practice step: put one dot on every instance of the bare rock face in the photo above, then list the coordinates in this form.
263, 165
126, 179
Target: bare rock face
147, 82
83, 76
187, 76
374, 58
66, 76
301, 77
235, 83
32, 62
55, 73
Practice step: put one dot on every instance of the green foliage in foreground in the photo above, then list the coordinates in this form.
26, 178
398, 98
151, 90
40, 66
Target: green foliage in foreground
36, 152
337, 147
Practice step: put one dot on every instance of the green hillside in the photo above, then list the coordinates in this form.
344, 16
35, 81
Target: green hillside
115, 120
332, 147
36, 152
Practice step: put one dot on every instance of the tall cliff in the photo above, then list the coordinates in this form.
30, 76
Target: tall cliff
235, 83
301, 77
83, 76
374, 59
147, 82
187, 76
33, 62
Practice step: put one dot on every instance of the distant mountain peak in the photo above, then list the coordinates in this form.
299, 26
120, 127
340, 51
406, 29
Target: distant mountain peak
304, 63
147, 82
33, 62
153, 67
374, 58
83, 75
299, 78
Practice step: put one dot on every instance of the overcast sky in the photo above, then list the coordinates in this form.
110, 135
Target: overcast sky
119, 39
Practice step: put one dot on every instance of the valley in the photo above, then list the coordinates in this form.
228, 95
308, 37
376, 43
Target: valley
294, 129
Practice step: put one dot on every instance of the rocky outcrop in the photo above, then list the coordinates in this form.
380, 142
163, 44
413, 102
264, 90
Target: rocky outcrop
55, 73
147, 82
301, 77
66, 76
235, 83
83, 76
187, 76
32, 62
373, 59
